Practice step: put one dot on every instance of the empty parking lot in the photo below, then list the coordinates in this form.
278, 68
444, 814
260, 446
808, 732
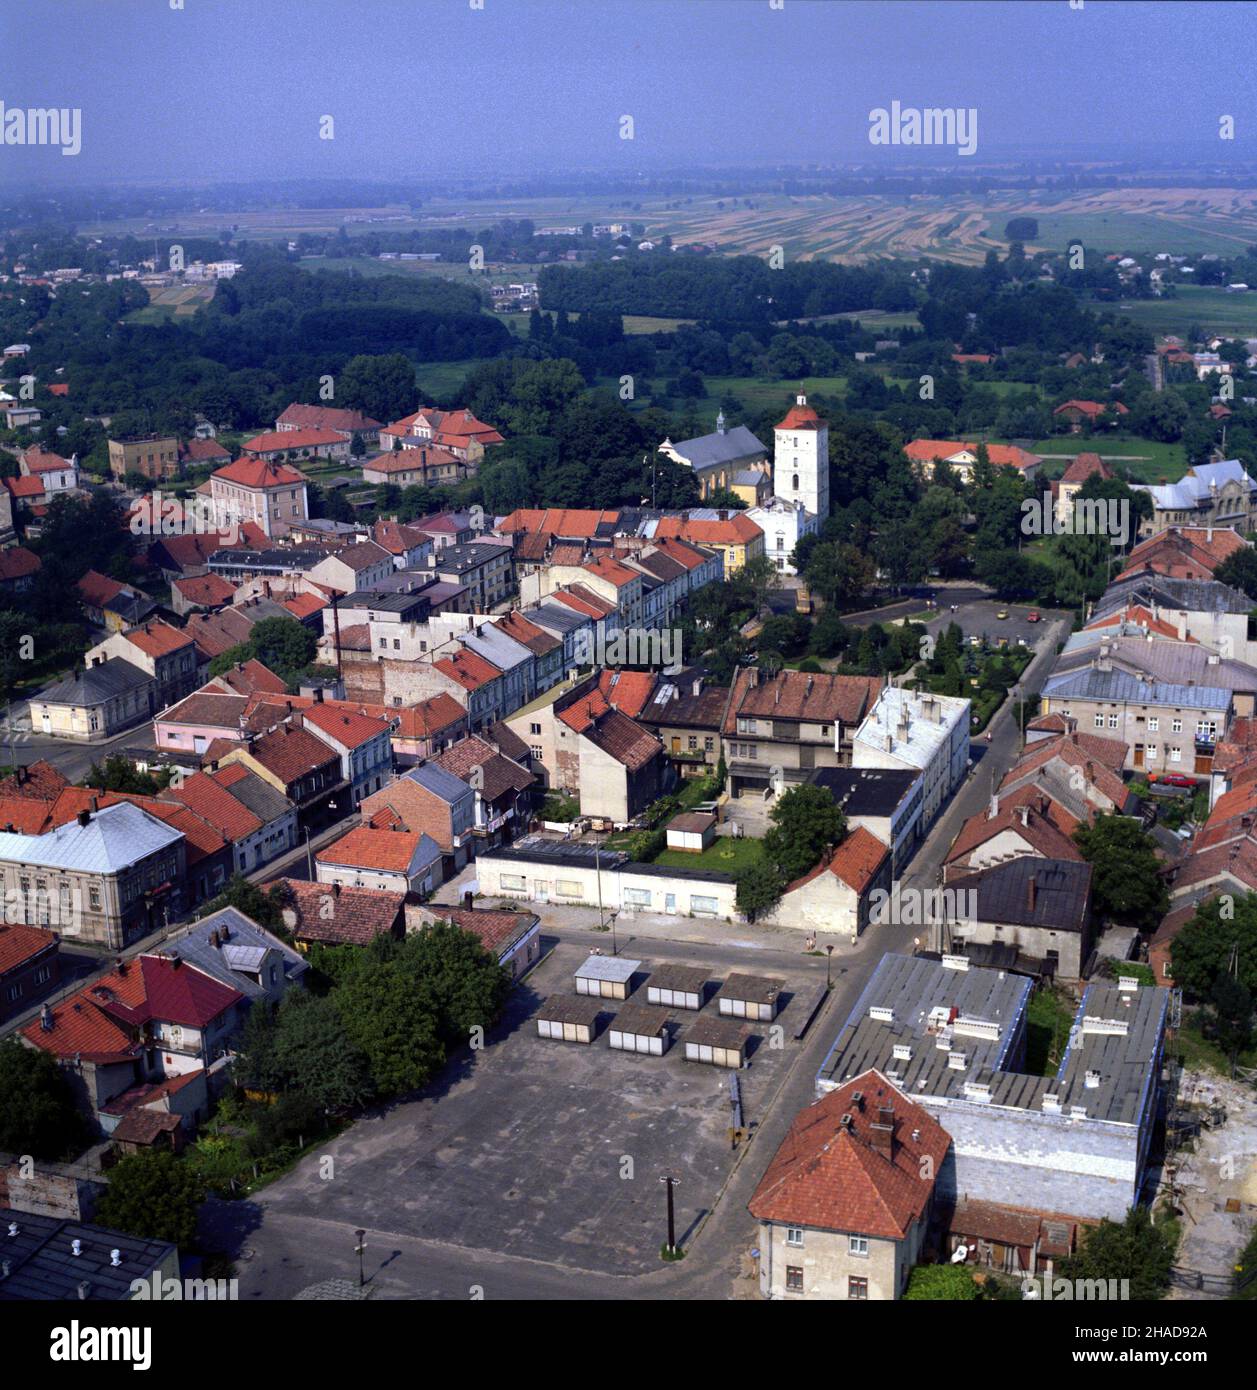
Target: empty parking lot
549, 1150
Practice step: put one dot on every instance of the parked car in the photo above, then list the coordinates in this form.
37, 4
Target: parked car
1003, 613
1173, 779
1033, 616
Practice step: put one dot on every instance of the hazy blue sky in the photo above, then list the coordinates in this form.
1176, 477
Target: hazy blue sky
235, 88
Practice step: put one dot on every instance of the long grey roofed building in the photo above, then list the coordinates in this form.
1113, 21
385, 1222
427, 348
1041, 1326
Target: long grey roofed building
42, 1264
1089, 683
724, 446
951, 1037
105, 681
1180, 595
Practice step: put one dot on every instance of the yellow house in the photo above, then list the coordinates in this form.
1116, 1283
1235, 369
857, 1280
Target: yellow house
733, 534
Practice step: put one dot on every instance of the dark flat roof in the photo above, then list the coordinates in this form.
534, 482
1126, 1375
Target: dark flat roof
710, 1030
42, 1265
866, 791
572, 1008
649, 1020
683, 979
756, 989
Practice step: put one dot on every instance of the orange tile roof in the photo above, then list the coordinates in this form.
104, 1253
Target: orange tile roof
257, 473
347, 726
205, 795
429, 716
304, 605
1000, 455
736, 529
800, 416
855, 861
367, 848
205, 588
20, 943
290, 439
826, 1176
156, 638
572, 523
468, 668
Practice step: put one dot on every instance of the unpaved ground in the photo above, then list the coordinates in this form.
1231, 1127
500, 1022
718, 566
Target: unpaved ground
1223, 1165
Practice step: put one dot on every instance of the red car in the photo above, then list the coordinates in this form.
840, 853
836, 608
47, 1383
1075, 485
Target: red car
1032, 616
1173, 779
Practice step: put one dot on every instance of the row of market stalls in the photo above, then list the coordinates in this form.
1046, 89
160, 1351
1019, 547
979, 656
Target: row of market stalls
646, 1024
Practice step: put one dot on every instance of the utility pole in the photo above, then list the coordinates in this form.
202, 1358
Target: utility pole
670, 1183
360, 1250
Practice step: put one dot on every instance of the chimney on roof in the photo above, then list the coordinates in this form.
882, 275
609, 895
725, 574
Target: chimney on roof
23, 775
176, 962
93, 802
468, 899
84, 817
993, 810
1023, 814
1032, 889
882, 1133
45, 1019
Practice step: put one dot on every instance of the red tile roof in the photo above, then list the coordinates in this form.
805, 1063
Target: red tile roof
18, 563
204, 794
339, 916
81, 1030
20, 943
209, 589
38, 781
854, 862
572, 523
345, 725
1092, 409
793, 695
250, 677
826, 1176
736, 529
303, 605
156, 638
291, 753
272, 440
96, 589
1000, 455
800, 416
367, 848
429, 716
468, 668
496, 929
257, 473
325, 417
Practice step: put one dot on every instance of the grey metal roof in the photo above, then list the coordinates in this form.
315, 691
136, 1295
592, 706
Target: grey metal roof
42, 1264
223, 961
1180, 663
556, 618
495, 646
616, 969
95, 684
1197, 486
1178, 595
113, 839
707, 450
439, 782
1107, 1073
266, 802
1091, 684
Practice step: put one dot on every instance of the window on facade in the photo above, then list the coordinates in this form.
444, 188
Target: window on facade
857, 1245
1206, 729
513, 882
536, 750
534, 728
1153, 724
794, 1235
794, 1278
1176, 755
1113, 718
1176, 726
1099, 721
857, 1288
794, 482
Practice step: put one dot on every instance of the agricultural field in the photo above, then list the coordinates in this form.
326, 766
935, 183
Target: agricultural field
172, 302
839, 228
1208, 307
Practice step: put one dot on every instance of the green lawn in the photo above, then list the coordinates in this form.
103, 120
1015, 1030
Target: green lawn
1131, 232
760, 393
1144, 460
1208, 306
725, 856
1048, 1020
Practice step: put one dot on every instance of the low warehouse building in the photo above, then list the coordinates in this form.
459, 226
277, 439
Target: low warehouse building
607, 977
569, 1018
692, 831
677, 986
749, 996
641, 1028
718, 1041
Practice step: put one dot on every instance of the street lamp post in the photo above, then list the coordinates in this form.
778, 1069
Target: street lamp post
360, 1250
829, 960
670, 1183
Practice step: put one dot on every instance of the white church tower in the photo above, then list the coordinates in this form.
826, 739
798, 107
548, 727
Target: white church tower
801, 459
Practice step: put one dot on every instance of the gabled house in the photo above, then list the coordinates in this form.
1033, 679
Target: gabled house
397, 860
233, 949
502, 787
334, 915
163, 652
429, 800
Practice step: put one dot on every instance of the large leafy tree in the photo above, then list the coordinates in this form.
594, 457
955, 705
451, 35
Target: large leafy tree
806, 822
282, 645
456, 978
1137, 1249
153, 1195
1240, 571
386, 1018
1221, 937
382, 386
37, 1111
1125, 873
314, 1053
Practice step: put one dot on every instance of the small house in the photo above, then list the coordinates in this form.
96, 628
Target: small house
677, 987
641, 1028
749, 996
718, 1041
607, 977
692, 832
568, 1018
